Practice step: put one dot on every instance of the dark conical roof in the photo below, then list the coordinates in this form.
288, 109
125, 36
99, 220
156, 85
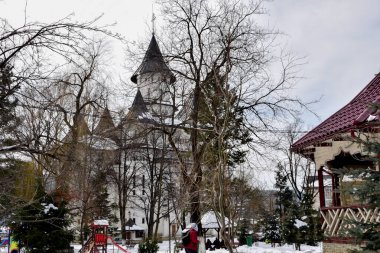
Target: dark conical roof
82, 129
105, 122
138, 105
153, 62
139, 110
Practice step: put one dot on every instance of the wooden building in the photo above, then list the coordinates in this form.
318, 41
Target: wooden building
332, 146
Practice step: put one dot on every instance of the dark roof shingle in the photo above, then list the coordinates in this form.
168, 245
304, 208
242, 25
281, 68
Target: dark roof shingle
153, 62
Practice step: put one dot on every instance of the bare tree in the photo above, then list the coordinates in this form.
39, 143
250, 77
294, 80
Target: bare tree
220, 43
299, 171
36, 52
59, 119
123, 175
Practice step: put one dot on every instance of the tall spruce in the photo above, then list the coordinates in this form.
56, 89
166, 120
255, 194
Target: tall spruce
284, 199
9, 166
299, 223
284, 196
7, 102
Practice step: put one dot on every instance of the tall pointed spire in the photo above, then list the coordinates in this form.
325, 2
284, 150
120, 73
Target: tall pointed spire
153, 62
139, 111
153, 21
105, 123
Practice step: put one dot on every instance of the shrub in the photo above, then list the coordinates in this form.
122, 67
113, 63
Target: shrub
148, 247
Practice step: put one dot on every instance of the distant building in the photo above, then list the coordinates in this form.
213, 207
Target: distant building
136, 148
144, 147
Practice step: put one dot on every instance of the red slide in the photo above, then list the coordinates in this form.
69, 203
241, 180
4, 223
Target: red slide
117, 245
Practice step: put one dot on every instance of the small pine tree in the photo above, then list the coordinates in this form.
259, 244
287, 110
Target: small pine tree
41, 225
292, 232
102, 206
292, 214
369, 193
284, 201
148, 246
272, 229
314, 233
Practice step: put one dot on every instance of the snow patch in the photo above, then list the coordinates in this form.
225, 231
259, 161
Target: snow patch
47, 207
300, 223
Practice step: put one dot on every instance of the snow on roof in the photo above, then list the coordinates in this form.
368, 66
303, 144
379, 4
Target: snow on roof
101, 222
133, 228
209, 220
18, 155
98, 142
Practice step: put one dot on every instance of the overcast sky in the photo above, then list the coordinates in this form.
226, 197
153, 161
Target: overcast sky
339, 38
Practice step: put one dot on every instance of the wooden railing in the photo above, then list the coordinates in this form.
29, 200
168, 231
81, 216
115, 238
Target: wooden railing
337, 220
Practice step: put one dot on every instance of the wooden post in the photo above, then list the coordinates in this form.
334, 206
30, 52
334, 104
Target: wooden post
321, 188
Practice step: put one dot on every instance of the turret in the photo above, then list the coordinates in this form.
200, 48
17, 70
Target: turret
154, 79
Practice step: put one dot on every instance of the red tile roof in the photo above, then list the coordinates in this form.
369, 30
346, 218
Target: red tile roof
354, 113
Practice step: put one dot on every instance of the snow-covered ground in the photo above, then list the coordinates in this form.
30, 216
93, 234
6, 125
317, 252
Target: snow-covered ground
259, 247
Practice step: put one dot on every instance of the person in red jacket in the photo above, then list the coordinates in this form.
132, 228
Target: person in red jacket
192, 246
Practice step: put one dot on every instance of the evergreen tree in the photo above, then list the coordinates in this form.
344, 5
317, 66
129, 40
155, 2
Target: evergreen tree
299, 222
9, 166
369, 232
41, 226
314, 233
102, 206
284, 196
284, 200
272, 229
369, 193
293, 229
8, 102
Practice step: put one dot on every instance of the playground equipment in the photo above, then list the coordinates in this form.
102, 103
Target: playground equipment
98, 240
4, 242
11, 247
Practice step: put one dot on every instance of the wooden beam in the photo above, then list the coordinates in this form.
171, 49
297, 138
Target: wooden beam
321, 188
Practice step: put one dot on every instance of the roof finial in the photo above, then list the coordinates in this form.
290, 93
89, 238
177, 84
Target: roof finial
153, 21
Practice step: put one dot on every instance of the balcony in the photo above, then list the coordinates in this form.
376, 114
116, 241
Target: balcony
337, 220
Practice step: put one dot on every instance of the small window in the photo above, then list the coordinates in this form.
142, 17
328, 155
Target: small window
139, 234
134, 220
143, 220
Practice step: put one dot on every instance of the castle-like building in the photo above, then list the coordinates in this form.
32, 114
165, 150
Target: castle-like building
144, 180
